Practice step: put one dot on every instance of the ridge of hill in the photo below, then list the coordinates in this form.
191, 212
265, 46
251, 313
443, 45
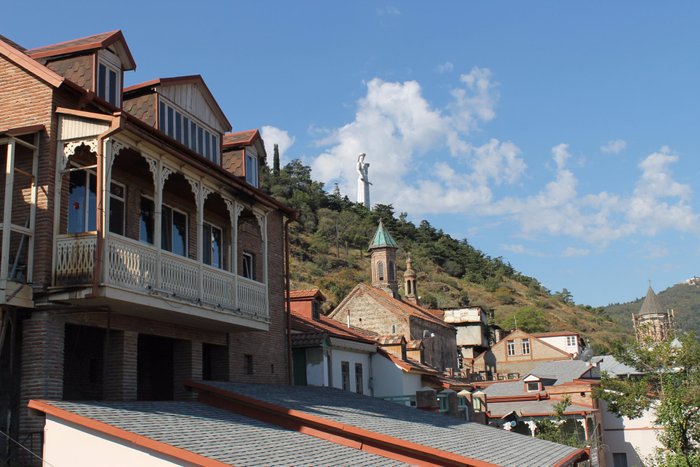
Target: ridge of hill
329, 251
683, 298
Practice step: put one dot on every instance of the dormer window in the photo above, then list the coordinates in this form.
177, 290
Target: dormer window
251, 167
182, 127
109, 78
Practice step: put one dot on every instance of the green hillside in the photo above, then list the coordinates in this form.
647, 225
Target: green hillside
329, 251
684, 299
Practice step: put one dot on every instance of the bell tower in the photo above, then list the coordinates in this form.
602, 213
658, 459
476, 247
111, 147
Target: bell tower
383, 250
409, 281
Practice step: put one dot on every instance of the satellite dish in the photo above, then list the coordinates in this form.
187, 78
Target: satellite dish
587, 354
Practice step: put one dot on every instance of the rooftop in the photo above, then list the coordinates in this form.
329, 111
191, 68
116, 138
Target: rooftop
382, 238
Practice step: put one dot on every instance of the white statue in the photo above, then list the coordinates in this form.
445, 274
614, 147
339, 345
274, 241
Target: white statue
363, 181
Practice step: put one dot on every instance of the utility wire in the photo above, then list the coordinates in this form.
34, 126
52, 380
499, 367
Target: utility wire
26, 448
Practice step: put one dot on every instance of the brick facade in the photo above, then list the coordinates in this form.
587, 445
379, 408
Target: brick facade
113, 374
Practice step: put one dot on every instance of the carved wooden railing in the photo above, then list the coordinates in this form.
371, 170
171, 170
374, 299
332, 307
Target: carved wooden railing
133, 265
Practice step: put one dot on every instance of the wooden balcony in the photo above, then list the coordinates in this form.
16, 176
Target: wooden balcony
137, 272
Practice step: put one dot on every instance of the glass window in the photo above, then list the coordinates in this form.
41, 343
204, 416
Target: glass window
251, 169
200, 140
526, 346
186, 131
345, 371
315, 310
391, 271
146, 219
82, 202
248, 266
207, 144
161, 117
248, 364
212, 246
171, 116
108, 83
178, 126
174, 231
359, 383
511, 347
117, 198
533, 387
193, 136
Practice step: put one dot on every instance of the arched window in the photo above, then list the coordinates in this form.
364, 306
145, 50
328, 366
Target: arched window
391, 271
380, 271
409, 288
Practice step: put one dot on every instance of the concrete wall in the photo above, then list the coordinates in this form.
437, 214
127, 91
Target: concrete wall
67, 443
338, 356
635, 437
390, 380
560, 343
316, 367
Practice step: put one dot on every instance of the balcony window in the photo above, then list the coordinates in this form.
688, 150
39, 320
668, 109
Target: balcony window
174, 231
248, 266
117, 199
511, 347
82, 201
212, 246
146, 221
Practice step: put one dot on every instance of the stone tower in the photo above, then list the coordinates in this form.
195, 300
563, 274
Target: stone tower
652, 322
383, 250
409, 280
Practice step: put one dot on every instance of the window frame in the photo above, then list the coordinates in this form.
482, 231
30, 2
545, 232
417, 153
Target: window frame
85, 202
510, 348
109, 62
207, 245
186, 251
112, 197
251, 265
525, 346
345, 375
153, 220
359, 378
251, 168
188, 130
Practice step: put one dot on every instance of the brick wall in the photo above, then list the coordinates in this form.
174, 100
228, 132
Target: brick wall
269, 349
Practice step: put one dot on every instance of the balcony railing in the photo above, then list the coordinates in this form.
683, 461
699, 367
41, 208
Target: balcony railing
137, 266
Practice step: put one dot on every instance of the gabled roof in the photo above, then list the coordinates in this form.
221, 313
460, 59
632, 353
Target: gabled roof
393, 305
328, 326
391, 339
240, 138
382, 238
19, 58
562, 371
12, 43
613, 366
84, 44
179, 80
651, 304
409, 365
520, 333
533, 408
415, 344
306, 294
554, 334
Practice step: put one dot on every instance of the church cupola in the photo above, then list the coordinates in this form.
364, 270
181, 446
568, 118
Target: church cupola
383, 250
409, 281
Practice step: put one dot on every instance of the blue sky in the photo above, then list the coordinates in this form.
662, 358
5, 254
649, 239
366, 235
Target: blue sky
562, 136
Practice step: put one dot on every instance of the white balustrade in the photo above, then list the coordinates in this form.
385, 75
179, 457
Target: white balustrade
75, 259
130, 263
133, 265
251, 297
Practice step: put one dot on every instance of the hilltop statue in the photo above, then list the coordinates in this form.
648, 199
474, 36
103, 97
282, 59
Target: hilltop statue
363, 180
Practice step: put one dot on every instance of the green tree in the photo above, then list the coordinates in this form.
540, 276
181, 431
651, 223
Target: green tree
670, 384
276, 162
530, 319
561, 430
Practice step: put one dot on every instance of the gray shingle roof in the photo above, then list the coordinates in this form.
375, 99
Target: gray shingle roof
614, 367
524, 408
651, 304
445, 433
562, 371
220, 434
510, 388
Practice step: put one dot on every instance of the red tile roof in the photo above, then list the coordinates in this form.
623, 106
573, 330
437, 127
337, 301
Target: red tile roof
390, 339
326, 325
240, 138
415, 344
409, 365
96, 41
308, 293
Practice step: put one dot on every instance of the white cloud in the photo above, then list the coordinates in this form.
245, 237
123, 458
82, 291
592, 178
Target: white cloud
273, 135
520, 249
614, 146
571, 252
445, 67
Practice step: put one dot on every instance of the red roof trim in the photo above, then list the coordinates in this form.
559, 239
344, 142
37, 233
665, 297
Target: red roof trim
130, 437
101, 41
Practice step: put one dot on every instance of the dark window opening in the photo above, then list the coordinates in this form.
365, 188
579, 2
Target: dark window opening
214, 362
155, 368
345, 371
248, 364
359, 383
83, 361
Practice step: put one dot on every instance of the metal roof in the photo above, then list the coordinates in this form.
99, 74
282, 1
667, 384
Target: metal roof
382, 238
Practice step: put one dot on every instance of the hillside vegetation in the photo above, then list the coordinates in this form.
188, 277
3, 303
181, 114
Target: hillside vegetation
329, 251
684, 299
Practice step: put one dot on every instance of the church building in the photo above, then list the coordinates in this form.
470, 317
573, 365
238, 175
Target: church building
381, 310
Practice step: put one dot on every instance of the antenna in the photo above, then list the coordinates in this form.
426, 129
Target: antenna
515, 318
